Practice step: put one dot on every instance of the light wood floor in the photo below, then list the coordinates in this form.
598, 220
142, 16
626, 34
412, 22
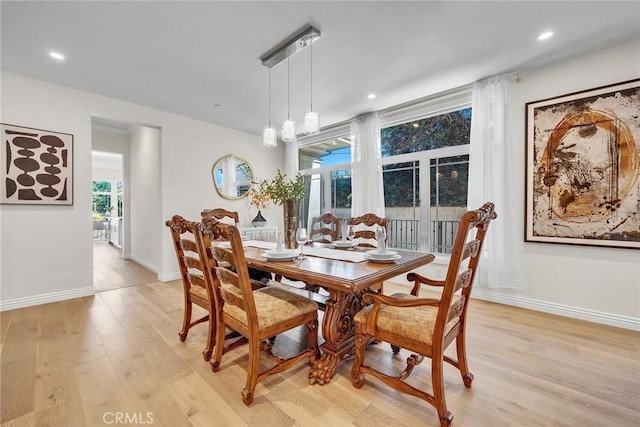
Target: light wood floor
111, 271
82, 361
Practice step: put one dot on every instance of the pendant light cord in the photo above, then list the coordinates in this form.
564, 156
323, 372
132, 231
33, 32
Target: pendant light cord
269, 97
288, 91
311, 69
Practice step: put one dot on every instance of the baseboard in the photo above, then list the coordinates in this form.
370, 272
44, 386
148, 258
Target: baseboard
167, 277
625, 322
145, 264
46, 298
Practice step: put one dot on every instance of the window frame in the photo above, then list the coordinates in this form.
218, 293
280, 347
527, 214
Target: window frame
435, 105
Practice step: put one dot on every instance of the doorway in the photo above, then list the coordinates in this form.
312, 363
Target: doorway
117, 262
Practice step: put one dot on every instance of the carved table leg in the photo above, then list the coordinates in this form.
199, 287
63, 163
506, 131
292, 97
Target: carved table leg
338, 331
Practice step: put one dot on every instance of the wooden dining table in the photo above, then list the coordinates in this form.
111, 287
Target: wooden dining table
346, 283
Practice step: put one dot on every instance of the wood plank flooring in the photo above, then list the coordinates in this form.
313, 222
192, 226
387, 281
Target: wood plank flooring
86, 361
111, 271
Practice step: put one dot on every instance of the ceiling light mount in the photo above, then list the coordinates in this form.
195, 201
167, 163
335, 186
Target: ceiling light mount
294, 44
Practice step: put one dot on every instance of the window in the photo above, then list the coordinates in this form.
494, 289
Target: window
105, 193
442, 142
423, 204
327, 167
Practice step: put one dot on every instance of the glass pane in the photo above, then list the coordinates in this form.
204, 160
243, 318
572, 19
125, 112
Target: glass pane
444, 130
101, 205
449, 178
326, 153
401, 183
101, 186
341, 194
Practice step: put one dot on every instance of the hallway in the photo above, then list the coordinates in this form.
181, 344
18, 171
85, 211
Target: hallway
111, 271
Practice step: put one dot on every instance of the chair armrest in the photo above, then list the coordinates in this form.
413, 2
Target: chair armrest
377, 300
418, 280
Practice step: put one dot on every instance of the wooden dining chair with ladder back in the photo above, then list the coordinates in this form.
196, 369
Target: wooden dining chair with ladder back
365, 229
232, 217
325, 228
426, 326
223, 215
257, 315
196, 288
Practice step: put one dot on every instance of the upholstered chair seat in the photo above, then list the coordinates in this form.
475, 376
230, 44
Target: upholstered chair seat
402, 321
273, 306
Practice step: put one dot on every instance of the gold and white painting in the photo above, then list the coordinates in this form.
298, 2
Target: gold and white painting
583, 167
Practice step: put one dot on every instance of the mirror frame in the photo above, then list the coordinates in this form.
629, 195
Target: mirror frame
218, 164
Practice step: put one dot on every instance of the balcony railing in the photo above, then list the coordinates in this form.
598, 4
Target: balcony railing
405, 234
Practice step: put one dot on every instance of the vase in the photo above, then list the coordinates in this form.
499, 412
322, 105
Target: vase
290, 214
259, 220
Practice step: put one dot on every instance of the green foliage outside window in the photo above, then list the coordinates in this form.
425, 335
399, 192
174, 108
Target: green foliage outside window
101, 202
445, 130
101, 199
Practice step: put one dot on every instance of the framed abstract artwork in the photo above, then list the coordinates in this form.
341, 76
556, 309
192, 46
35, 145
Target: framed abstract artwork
583, 167
37, 166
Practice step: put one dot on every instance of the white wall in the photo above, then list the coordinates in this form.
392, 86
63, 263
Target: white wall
593, 283
46, 251
146, 227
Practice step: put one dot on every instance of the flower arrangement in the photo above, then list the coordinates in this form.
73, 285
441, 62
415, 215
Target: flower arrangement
259, 198
279, 191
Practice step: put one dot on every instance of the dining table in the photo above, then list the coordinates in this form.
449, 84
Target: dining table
346, 274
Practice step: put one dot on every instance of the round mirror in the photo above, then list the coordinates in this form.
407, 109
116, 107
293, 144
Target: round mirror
232, 177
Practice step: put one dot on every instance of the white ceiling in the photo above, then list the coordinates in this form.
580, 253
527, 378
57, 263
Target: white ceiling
186, 57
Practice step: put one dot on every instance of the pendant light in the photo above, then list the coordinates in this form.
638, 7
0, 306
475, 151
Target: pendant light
269, 135
288, 127
311, 124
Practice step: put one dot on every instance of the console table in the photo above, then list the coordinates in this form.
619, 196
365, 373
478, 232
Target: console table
258, 233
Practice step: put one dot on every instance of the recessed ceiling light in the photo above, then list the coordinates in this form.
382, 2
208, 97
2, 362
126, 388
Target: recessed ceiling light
56, 55
545, 35
371, 95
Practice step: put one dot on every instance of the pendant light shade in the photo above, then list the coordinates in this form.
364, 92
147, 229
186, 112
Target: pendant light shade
269, 138
288, 131
288, 127
311, 124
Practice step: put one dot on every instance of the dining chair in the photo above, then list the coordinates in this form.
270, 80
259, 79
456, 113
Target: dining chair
232, 217
196, 288
426, 326
325, 228
365, 229
223, 215
256, 315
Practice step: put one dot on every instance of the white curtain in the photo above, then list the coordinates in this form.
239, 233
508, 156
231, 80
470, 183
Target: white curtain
366, 165
493, 173
291, 159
